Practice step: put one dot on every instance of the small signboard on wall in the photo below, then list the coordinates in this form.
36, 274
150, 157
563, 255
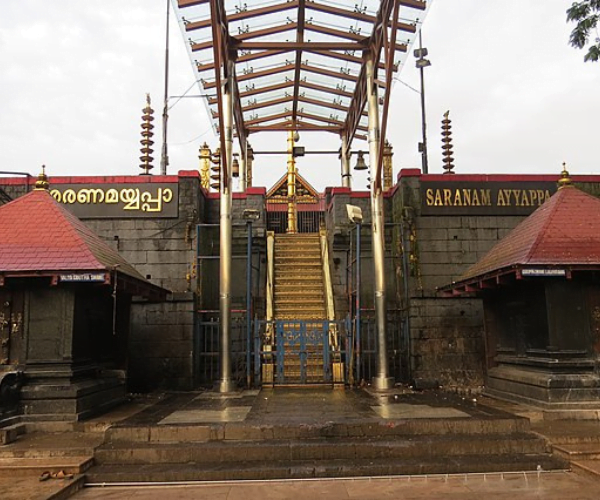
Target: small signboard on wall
144, 200
543, 273
83, 278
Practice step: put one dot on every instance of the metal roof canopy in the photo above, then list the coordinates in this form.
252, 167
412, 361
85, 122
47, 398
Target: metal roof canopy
299, 64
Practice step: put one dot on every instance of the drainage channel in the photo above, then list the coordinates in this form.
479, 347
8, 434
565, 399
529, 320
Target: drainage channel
526, 475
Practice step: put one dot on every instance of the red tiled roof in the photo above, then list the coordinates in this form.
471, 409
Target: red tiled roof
38, 234
565, 230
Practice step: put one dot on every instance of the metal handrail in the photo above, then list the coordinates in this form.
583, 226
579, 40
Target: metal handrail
328, 284
270, 273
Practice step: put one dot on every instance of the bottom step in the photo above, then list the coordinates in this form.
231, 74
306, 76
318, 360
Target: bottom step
21, 467
321, 469
20, 488
590, 468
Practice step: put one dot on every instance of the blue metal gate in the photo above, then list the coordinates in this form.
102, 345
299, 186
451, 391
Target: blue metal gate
301, 351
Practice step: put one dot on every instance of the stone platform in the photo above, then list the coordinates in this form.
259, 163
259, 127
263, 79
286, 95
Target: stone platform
312, 432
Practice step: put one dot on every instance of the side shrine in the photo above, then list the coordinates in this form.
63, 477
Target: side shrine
142, 312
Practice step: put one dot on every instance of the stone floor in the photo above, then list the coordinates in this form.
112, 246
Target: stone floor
308, 406
297, 407
530, 486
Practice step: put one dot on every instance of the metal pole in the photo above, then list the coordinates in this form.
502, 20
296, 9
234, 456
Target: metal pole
248, 303
226, 382
243, 167
164, 158
424, 159
358, 305
381, 381
345, 157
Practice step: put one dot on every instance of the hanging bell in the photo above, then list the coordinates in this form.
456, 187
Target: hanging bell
360, 162
235, 168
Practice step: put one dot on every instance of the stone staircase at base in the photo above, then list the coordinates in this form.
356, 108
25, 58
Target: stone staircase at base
243, 451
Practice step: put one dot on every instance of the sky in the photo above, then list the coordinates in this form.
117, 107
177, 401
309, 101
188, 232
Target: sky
74, 75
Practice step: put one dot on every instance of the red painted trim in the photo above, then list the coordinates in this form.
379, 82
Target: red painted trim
409, 172
96, 179
360, 194
257, 191
113, 179
17, 181
506, 178
338, 190
189, 173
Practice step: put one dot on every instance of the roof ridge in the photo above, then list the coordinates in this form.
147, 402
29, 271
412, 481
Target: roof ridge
554, 202
44, 235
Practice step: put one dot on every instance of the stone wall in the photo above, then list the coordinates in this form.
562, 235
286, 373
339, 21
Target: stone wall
161, 345
446, 340
163, 249
342, 235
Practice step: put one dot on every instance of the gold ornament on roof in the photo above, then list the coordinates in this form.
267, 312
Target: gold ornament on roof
448, 160
388, 152
216, 170
565, 179
147, 141
42, 180
205, 158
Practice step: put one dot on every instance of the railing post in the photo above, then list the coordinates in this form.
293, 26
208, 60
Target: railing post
257, 350
358, 304
248, 304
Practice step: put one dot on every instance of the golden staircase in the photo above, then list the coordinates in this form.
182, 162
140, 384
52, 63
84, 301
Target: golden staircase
299, 296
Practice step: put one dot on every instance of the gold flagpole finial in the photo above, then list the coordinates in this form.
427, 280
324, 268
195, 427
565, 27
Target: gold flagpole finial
42, 180
565, 179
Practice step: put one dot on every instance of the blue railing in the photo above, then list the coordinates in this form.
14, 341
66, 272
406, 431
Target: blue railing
270, 339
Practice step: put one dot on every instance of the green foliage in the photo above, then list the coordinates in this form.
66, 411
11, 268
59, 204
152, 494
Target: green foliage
586, 14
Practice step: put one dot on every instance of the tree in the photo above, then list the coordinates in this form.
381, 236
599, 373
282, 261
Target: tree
586, 14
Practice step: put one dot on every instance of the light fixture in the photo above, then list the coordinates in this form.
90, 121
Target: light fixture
360, 162
354, 213
251, 214
423, 63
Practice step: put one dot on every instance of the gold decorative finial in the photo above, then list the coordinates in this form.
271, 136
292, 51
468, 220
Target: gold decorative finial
42, 183
564, 180
387, 166
205, 156
147, 141
216, 170
448, 160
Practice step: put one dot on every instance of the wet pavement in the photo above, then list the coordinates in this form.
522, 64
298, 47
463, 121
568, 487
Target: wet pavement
508, 486
308, 406
296, 408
